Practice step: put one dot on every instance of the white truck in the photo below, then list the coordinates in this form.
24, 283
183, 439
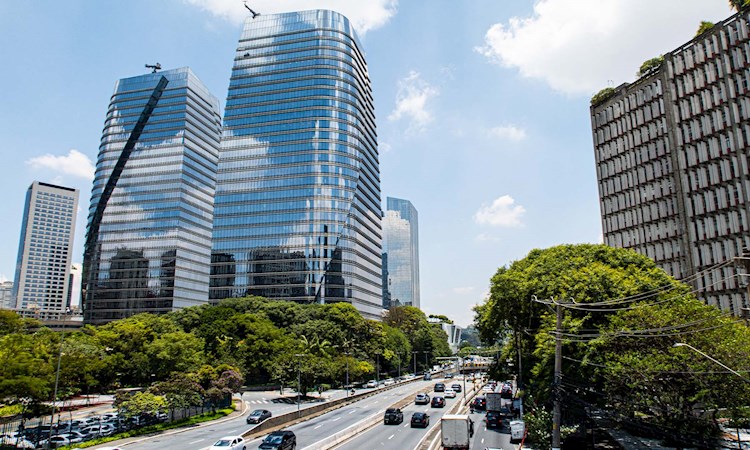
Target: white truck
456, 431
494, 401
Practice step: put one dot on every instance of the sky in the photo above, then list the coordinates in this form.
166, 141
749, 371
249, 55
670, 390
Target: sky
482, 107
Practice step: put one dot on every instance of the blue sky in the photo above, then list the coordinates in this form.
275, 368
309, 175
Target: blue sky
482, 107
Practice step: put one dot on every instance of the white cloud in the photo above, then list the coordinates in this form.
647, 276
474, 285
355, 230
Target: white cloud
384, 147
576, 46
508, 133
502, 212
364, 15
74, 163
3, 278
463, 290
411, 102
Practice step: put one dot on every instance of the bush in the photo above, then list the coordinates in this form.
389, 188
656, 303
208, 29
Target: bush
602, 95
704, 26
650, 65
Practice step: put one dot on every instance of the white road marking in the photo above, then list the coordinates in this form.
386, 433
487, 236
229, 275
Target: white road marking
337, 418
318, 426
482, 440
195, 442
391, 437
406, 425
352, 411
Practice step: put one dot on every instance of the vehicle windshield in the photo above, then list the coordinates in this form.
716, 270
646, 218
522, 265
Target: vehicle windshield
222, 443
273, 439
256, 413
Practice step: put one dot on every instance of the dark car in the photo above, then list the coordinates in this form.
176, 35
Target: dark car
456, 387
494, 419
421, 399
438, 402
258, 416
393, 416
439, 387
506, 392
479, 403
420, 419
280, 440
427, 376
505, 412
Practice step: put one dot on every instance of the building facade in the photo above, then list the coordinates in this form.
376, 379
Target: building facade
41, 286
298, 212
148, 243
672, 163
400, 254
6, 295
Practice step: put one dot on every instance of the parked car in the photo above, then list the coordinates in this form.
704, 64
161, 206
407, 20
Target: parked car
59, 440
438, 402
258, 416
389, 382
280, 440
393, 416
229, 443
372, 384
439, 387
421, 399
420, 419
456, 387
449, 393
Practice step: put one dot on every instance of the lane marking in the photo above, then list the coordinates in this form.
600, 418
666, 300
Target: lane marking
391, 437
337, 418
195, 442
352, 411
318, 426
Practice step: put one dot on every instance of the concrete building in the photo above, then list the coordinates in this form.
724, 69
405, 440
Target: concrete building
672, 153
298, 213
148, 242
400, 254
6, 295
41, 286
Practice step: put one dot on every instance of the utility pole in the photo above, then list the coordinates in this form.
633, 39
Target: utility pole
557, 414
415, 362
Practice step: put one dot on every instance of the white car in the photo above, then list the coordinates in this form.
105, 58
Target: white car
372, 384
229, 443
449, 393
59, 440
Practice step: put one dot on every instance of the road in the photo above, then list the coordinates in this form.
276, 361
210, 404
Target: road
492, 437
307, 432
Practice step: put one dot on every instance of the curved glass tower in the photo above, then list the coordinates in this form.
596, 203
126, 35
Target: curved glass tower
298, 196
148, 243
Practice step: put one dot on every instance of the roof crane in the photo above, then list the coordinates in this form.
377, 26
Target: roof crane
155, 67
255, 14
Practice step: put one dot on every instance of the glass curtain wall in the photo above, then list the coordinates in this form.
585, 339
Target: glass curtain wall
298, 198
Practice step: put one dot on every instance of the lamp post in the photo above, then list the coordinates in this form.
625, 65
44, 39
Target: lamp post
682, 344
346, 386
415, 362
299, 379
426, 365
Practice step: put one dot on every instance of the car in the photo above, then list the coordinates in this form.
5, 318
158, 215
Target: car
437, 402
448, 375
427, 376
258, 416
420, 419
449, 393
506, 392
56, 441
229, 443
439, 387
456, 387
393, 416
372, 384
16, 441
479, 403
389, 382
493, 419
421, 399
280, 440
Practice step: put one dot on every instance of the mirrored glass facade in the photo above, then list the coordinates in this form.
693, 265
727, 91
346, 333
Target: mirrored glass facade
41, 288
148, 245
298, 196
400, 254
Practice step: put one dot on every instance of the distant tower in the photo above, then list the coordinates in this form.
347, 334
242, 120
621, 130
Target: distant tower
298, 195
45, 250
401, 251
148, 243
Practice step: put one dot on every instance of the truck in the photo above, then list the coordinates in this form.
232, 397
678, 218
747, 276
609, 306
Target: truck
494, 401
517, 430
456, 431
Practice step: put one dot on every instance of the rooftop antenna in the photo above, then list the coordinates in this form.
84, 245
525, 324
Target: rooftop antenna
255, 14
155, 67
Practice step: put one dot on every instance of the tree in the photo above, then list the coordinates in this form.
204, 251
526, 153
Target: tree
141, 403
739, 5
650, 65
180, 391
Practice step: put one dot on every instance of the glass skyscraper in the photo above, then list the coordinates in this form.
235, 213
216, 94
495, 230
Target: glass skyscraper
148, 243
41, 288
400, 254
298, 212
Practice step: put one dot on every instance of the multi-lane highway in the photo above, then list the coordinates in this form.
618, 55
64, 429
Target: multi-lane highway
308, 432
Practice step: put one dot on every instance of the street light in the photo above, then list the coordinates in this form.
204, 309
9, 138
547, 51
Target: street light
346, 385
415, 362
299, 379
682, 344
426, 365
